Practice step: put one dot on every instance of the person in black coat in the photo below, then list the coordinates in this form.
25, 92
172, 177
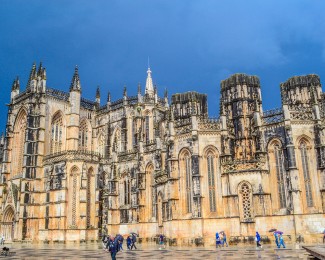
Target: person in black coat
113, 247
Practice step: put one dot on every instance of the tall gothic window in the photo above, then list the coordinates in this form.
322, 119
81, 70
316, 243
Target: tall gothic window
188, 183
147, 129
246, 201
211, 182
89, 199
127, 192
117, 141
306, 173
134, 133
83, 135
56, 135
101, 145
19, 144
74, 195
280, 174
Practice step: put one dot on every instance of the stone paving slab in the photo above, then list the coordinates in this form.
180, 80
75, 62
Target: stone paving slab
169, 253
317, 251
146, 251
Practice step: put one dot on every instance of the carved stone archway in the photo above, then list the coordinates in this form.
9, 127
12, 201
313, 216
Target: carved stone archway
8, 224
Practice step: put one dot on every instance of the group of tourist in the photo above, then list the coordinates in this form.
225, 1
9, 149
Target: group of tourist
221, 239
115, 244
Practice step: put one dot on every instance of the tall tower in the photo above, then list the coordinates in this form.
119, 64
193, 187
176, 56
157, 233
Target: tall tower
73, 123
240, 110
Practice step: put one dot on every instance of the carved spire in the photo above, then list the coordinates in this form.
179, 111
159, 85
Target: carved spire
124, 91
149, 84
139, 88
75, 83
109, 96
15, 84
32, 75
97, 95
166, 93
97, 92
41, 72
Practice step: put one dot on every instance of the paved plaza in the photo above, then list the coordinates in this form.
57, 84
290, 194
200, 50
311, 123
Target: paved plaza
94, 251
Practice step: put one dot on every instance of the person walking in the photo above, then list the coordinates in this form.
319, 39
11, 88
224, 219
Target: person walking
324, 236
1, 240
134, 239
276, 239
224, 239
113, 247
129, 242
281, 241
218, 240
161, 242
258, 240
120, 240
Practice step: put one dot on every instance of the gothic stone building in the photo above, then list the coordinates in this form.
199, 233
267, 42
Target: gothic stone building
72, 169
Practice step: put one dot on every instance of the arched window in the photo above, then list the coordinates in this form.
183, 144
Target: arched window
147, 137
101, 145
19, 143
306, 173
56, 135
74, 195
127, 192
187, 160
280, 174
83, 135
211, 181
90, 187
117, 141
246, 201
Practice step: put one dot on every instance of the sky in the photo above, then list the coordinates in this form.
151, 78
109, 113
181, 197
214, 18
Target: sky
192, 45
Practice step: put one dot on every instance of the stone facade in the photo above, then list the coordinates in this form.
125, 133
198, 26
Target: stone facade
72, 169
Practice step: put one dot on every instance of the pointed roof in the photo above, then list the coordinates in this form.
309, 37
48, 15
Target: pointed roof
32, 75
149, 84
97, 92
75, 83
15, 84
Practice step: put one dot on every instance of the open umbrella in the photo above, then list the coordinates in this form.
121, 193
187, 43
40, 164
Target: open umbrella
278, 232
272, 230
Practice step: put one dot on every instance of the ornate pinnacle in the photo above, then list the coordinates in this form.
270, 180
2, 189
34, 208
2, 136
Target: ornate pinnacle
75, 83
109, 97
97, 92
15, 84
166, 93
124, 91
32, 74
139, 88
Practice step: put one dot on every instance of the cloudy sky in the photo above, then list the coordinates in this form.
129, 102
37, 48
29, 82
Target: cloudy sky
192, 45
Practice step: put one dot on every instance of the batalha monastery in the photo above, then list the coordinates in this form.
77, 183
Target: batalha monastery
72, 169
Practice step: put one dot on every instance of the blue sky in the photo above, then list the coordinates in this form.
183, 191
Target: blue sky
192, 45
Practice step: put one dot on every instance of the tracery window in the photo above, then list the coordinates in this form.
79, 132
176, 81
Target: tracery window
246, 201
188, 177
306, 173
56, 135
127, 192
101, 145
83, 135
211, 182
74, 182
147, 129
19, 144
134, 133
280, 174
117, 141
89, 200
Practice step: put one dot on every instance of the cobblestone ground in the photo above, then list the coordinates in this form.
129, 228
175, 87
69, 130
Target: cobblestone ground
94, 251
